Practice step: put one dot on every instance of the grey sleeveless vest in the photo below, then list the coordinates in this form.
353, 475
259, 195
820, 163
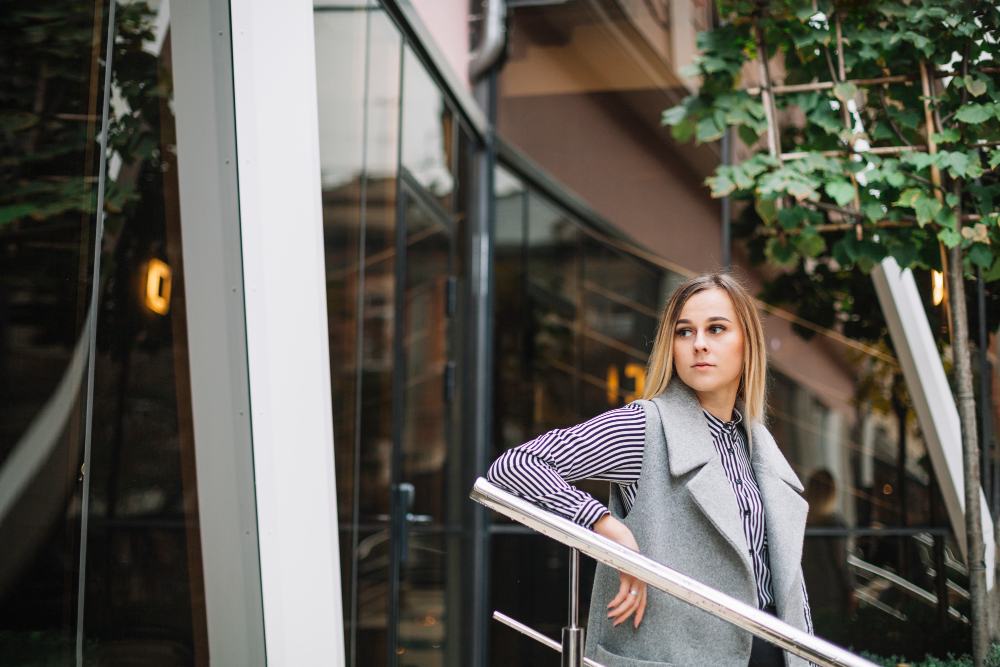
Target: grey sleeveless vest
686, 517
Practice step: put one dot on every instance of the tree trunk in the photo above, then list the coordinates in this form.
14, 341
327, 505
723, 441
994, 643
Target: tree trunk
970, 454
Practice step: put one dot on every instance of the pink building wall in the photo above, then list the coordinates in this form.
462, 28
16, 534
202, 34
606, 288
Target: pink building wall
448, 23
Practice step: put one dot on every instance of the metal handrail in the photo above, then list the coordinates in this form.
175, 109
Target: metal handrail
760, 623
899, 581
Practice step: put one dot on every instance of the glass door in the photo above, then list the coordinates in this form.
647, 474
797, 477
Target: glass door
424, 565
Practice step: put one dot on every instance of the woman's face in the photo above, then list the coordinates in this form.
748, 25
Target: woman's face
708, 344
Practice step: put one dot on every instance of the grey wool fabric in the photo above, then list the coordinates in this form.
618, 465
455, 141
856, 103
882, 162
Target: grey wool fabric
685, 516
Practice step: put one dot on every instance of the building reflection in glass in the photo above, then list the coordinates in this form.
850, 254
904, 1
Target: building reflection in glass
144, 596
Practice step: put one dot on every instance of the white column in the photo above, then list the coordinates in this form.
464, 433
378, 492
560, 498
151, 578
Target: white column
216, 329
932, 398
282, 231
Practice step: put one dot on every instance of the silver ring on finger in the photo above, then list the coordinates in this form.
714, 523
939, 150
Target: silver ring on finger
635, 593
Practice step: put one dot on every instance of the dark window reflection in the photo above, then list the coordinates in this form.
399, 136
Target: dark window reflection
144, 599
50, 92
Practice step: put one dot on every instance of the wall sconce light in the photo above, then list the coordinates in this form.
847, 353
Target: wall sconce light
612, 384
158, 287
937, 287
638, 373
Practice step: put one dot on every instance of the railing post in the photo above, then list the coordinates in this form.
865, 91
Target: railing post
572, 635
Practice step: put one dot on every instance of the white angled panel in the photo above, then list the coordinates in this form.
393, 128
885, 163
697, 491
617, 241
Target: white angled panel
277, 132
931, 394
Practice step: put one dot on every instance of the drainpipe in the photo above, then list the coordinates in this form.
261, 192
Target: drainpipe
483, 66
493, 42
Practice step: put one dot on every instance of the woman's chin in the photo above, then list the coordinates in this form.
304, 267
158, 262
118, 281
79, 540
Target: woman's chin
705, 382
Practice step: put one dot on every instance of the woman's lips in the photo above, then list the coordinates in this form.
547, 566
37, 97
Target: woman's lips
703, 366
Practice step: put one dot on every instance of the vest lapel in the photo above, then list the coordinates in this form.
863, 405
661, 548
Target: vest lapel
690, 450
784, 512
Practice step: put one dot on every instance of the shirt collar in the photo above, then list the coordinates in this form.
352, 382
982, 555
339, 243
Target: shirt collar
717, 424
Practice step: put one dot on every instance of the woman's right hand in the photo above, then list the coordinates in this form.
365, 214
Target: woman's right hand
631, 596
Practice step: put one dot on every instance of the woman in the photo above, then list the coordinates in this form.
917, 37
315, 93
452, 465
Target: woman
698, 484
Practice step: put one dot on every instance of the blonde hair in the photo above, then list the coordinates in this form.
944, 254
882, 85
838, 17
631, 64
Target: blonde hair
753, 384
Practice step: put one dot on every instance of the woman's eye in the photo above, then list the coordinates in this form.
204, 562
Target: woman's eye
718, 328
683, 333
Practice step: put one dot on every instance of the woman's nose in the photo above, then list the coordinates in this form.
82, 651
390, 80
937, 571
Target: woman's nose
700, 341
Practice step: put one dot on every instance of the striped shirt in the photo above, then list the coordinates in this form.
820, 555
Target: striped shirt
609, 447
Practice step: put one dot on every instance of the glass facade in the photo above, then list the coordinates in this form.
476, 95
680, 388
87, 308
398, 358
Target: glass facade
394, 172
143, 594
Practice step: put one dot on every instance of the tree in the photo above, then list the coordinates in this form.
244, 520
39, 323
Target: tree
881, 140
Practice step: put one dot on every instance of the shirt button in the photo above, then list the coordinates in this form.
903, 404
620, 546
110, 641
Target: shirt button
739, 481
730, 450
746, 513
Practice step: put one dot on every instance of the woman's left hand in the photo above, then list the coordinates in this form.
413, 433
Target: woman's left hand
631, 596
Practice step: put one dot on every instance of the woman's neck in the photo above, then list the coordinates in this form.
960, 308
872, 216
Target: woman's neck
719, 402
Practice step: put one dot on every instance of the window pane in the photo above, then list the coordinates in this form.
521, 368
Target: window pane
553, 267
512, 396
428, 131
144, 590
51, 83
359, 143
621, 295
341, 39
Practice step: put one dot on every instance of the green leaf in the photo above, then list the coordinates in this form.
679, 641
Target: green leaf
951, 199
907, 118
842, 192
825, 119
919, 160
995, 158
905, 255
690, 71
712, 64
895, 178
674, 115
810, 245
946, 218
950, 135
805, 12
747, 135
874, 210
981, 254
845, 91
975, 165
974, 85
917, 199
994, 273
780, 253
767, 209
791, 218
882, 131
949, 237
683, 131
707, 130
975, 113
956, 163
721, 185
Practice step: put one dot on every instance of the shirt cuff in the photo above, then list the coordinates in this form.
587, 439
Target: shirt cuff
588, 514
